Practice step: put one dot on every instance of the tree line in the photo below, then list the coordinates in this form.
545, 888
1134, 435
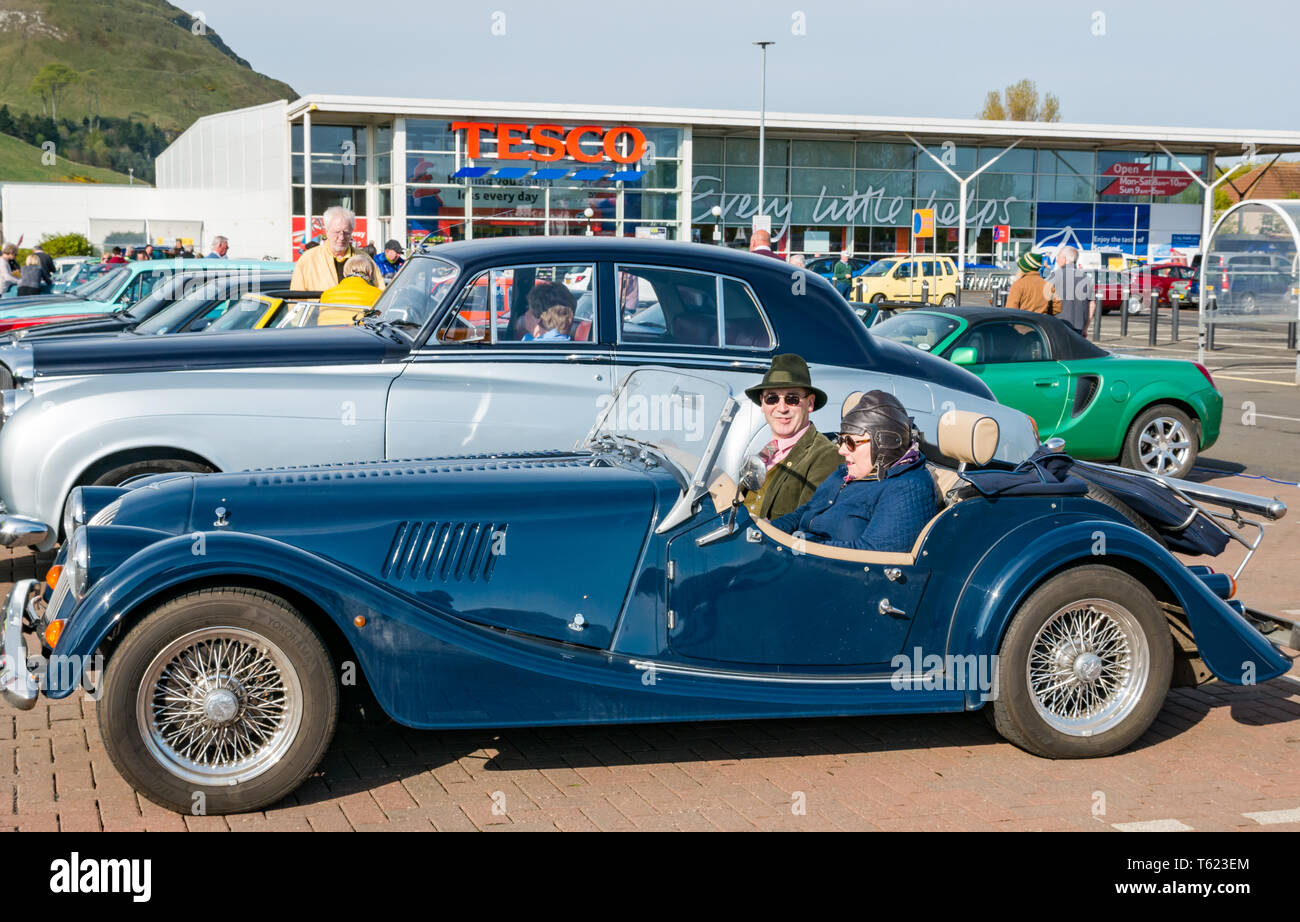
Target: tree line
119, 144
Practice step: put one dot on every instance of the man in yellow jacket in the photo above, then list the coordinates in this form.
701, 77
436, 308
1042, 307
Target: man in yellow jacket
321, 267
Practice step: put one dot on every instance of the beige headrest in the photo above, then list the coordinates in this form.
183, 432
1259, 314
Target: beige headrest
850, 402
968, 438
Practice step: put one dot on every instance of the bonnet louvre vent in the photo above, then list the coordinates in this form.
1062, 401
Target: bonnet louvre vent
445, 551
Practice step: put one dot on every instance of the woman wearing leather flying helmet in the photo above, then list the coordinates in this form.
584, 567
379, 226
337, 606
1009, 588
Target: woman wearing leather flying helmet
882, 496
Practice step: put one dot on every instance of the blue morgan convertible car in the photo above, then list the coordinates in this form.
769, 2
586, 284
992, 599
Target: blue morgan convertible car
621, 581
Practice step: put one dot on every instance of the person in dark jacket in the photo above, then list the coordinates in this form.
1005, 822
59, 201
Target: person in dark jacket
33, 273
48, 269
882, 496
798, 458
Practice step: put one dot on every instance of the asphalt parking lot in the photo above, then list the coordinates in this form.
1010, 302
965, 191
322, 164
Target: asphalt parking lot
1217, 758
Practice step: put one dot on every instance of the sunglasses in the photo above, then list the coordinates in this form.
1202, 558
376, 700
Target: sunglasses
852, 441
791, 400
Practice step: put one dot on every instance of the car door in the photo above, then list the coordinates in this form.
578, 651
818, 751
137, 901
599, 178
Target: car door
483, 383
1013, 358
747, 600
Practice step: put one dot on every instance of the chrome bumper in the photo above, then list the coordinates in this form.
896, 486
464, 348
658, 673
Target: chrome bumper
18, 684
23, 531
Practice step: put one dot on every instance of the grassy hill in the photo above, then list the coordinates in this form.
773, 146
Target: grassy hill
21, 162
138, 58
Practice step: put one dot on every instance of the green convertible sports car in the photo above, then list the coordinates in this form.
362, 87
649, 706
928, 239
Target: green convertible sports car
1150, 414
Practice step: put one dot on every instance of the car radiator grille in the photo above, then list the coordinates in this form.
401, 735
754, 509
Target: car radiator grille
444, 551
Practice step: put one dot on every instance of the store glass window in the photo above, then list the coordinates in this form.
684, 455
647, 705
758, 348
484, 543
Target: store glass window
937, 184
874, 156
961, 160
819, 182
745, 179
1066, 162
1016, 160
889, 182
706, 149
821, 154
323, 197
427, 134
744, 152
1005, 185
660, 205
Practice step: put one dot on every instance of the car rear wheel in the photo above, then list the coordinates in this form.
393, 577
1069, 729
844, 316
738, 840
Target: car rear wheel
948, 301
1247, 303
124, 472
220, 701
1162, 440
1085, 665
877, 299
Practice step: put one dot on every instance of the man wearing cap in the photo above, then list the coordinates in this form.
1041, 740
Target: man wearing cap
881, 498
390, 260
798, 457
1029, 292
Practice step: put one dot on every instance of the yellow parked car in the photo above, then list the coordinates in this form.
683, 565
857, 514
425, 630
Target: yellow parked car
901, 278
266, 312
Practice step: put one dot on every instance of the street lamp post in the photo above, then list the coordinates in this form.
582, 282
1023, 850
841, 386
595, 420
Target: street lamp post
589, 213
717, 223
762, 123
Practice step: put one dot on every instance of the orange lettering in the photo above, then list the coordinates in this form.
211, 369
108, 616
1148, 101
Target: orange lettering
574, 142
472, 130
506, 141
550, 137
638, 144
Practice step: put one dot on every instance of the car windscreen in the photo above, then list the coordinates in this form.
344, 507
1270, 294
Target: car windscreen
162, 295
101, 285
881, 267
416, 293
918, 329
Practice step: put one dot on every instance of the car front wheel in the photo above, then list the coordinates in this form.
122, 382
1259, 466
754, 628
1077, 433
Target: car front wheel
1085, 665
220, 701
1162, 440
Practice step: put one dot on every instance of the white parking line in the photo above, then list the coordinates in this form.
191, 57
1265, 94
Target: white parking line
1153, 826
1273, 817
1254, 380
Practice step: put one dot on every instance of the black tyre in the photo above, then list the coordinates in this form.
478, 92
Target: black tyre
948, 301
877, 299
1163, 440
220, 701
122, 473
1085, 665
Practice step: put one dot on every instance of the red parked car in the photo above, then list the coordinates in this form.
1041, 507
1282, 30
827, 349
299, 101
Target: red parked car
1169, 280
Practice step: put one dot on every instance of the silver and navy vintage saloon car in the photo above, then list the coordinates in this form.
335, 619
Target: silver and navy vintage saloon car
446, 365
619, 582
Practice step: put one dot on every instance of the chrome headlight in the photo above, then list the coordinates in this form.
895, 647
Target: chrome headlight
77, 565
74, 512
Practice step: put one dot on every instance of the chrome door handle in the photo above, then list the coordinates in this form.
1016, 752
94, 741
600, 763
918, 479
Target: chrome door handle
887, 609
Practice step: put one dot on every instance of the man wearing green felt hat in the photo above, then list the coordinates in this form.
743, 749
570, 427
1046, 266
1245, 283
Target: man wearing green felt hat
798, 457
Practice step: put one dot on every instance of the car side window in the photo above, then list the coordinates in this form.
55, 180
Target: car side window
525, 304
670, 306
743, 324
904, 270
1006, 341
140, 286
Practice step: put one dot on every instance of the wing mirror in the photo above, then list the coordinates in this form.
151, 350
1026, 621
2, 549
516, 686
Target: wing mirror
752, 474
963, 356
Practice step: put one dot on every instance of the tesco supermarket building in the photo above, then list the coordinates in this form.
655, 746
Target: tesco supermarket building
434, 170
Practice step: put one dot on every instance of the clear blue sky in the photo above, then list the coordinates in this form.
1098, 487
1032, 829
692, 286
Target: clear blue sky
1197, 64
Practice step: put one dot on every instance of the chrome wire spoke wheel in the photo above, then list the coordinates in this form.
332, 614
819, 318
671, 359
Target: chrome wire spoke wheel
1087, 667
219, 706
1164, 445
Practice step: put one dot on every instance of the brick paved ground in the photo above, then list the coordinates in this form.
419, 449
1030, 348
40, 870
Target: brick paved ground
1214, 755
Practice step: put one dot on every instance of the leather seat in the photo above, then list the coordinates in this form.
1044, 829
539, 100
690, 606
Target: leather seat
696, 329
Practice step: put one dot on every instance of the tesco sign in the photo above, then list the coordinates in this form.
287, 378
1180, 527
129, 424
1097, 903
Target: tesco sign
548, 143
